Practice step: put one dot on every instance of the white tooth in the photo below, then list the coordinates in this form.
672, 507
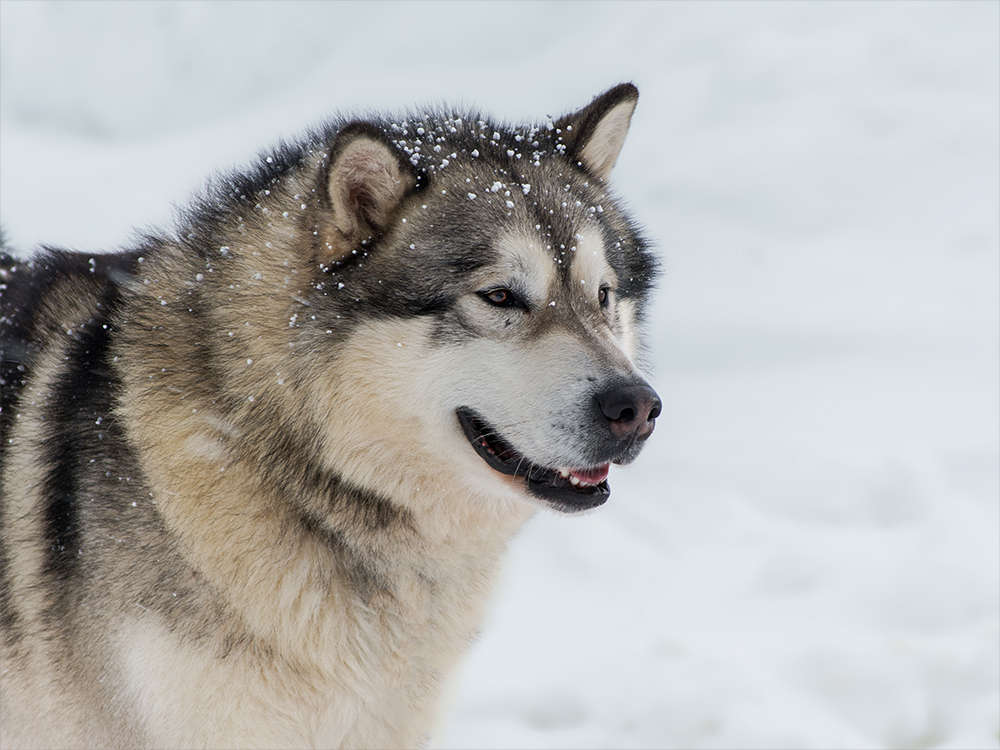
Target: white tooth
564, 473
574, 481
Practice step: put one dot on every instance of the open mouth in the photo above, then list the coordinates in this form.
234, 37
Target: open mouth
567, 489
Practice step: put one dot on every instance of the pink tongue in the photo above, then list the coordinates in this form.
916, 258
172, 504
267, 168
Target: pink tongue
592, 476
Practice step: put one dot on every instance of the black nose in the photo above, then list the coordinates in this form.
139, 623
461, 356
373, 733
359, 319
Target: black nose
631, 409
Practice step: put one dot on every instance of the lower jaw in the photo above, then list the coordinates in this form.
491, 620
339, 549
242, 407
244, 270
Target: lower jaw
566, 497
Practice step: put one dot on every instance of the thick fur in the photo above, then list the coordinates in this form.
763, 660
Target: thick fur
238, 508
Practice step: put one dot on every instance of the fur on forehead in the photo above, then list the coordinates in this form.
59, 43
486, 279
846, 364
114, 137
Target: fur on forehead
432, 139
360, 176
589, 139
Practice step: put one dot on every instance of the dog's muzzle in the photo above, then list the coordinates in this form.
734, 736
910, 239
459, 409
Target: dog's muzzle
626, 415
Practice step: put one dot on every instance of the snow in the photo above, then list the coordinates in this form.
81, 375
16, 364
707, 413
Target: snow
807, 553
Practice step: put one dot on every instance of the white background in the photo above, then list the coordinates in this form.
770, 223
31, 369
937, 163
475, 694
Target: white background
806, 555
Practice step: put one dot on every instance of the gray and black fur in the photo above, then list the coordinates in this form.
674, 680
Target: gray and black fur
258, 472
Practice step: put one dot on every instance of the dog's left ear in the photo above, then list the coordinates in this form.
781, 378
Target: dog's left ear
367, 178
594, 136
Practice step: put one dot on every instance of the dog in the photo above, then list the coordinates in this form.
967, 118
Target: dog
258, 472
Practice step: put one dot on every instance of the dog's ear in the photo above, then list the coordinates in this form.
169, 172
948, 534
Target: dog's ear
594, 135
367, 178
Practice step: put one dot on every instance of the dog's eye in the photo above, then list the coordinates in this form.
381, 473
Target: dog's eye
602, 296
500, 297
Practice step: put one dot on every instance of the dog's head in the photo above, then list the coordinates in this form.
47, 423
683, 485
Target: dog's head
492, 289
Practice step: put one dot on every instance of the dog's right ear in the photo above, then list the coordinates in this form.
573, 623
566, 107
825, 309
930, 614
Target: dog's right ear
595, 135
367, 178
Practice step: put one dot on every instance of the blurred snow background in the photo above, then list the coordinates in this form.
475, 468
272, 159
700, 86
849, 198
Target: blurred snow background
807, 554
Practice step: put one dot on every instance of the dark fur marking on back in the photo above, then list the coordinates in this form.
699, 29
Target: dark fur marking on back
82, 397
23, 286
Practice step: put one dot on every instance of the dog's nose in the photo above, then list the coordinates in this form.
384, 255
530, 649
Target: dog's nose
631, 410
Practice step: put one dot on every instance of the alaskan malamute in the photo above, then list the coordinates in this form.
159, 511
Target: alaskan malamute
259, 471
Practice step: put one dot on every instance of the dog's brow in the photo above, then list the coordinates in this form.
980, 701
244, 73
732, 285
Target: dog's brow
525, 258
589, 260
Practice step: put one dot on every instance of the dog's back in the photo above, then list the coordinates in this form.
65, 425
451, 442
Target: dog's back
57, 428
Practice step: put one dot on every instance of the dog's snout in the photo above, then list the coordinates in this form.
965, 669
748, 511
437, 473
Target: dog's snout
630, 409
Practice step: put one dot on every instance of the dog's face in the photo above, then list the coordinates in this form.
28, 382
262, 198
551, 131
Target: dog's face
547, 390
515, 285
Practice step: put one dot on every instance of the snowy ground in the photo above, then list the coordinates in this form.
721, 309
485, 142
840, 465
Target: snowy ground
807, 553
